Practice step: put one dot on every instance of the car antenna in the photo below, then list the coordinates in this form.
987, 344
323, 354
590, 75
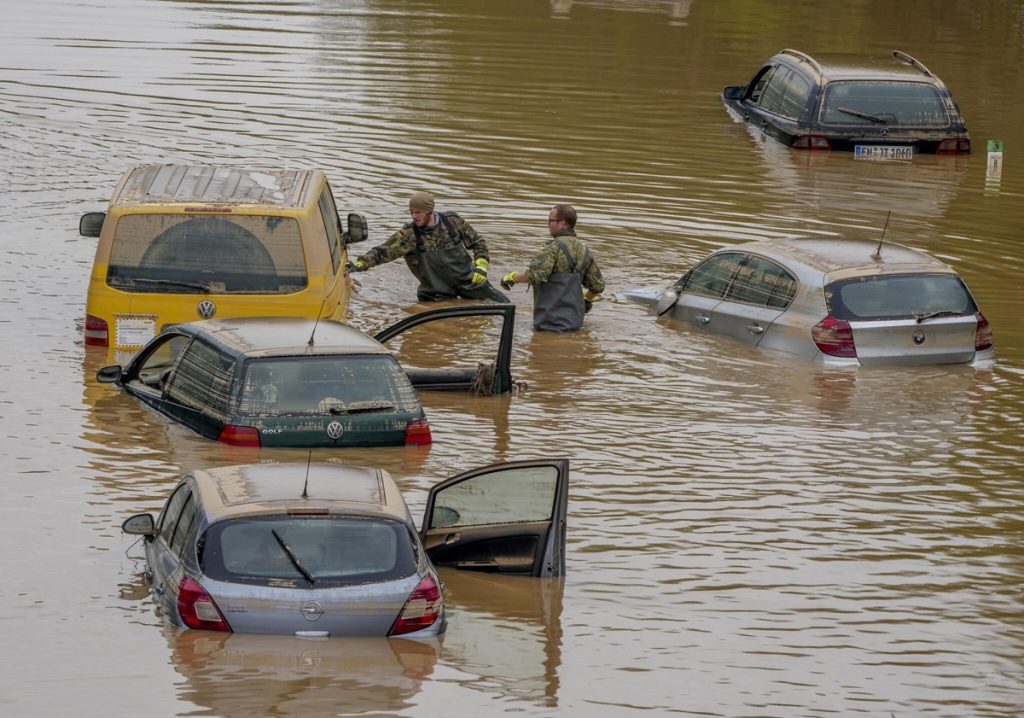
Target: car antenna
305, 484
315, 323
877, 256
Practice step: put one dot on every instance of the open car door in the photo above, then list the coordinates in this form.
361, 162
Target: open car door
504, 518
462, 377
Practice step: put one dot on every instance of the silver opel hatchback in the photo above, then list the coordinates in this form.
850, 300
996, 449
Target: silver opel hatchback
331, 550
835, 301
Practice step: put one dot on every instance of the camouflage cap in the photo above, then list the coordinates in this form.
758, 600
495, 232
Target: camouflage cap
422, 201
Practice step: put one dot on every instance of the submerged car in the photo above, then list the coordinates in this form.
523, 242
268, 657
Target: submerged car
278, 381
325, 549
180, 243
836, 301
891, 107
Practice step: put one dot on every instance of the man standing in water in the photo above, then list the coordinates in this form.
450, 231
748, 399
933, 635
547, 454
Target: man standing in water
436, 247
564, 277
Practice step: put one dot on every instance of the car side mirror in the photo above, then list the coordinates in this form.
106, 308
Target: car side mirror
109, 374
139, 525
357, 229
733, 92
91, 223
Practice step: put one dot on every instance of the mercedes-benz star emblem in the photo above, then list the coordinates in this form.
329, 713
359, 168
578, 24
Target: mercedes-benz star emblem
206, 309
335, 430
311, 610
918, 337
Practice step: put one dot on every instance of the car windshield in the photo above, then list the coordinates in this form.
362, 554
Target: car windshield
307, 550
893, 104
326, 385
903, 296
176, 253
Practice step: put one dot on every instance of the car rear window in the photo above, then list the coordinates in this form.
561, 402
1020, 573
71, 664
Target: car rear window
174, 253
894, 104
899, 296
333, 550
326, 385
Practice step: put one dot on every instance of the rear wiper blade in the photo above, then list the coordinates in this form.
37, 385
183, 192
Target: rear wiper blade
865, 115
943, 313
291, 557
361, 408
171, 283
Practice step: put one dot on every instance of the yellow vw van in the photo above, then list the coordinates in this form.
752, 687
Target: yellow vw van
185, 242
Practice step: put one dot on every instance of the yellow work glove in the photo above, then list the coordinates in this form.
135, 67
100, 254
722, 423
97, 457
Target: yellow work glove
356, 266
479, 272
508, 280
588, 300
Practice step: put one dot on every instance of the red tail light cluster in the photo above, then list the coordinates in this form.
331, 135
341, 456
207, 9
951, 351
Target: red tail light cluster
417, 432
96, 332
239, 435
954, 146
834, 337
197, 609
811, 142
983, 334
421, 610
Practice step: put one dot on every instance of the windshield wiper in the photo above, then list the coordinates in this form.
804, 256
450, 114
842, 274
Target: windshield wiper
361, 408
293, 559
165, 282
942, 313
865, 115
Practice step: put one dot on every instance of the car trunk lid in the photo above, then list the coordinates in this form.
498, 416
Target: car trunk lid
945, 340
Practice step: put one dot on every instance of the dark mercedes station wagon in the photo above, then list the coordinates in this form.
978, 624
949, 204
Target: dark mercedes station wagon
889, 107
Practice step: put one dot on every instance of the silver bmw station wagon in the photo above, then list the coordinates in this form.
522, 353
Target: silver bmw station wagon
331, 550
835, 301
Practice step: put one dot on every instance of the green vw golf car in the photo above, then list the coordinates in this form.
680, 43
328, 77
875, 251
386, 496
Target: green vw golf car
277, 381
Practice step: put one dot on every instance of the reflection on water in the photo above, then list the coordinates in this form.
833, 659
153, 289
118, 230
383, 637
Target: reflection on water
747, 535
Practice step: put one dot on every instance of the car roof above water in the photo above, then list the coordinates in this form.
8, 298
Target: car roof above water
213, 185
835, 66
275, 488
284, 336
849, 257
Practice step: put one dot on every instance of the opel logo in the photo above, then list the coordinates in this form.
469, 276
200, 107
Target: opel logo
311, 610
206, 309
918, 337
335, 430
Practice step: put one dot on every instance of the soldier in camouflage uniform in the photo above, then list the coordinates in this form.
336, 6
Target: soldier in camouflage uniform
436, 246
565, 278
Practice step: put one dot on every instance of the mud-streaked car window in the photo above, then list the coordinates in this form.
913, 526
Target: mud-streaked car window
763, 283
893, 103
786, 93
329, 213
711, 278
184, 524
203, 380
172, 511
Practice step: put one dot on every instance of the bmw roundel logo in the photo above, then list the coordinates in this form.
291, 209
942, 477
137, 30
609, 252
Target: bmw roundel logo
311, 610
206, 309
918, 337
335, 430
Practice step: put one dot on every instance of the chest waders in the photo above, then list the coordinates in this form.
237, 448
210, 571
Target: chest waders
558, 302
446, 272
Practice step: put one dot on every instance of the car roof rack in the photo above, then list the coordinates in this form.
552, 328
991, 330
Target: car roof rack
802, 56
900, 55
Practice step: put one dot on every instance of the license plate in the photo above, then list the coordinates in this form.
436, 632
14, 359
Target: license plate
133, 331
883, 152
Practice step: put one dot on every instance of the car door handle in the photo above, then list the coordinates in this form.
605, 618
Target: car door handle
703, 318
755, 329
158, 589
452, 538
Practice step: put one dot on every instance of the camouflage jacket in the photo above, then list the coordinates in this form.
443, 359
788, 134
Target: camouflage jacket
403, 241
553, 260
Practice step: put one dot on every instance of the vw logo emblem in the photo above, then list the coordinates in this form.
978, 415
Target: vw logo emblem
335, 430
311, 610
884, 132
918, 337
206, 309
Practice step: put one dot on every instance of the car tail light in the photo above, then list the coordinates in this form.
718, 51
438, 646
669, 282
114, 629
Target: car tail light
983, 334
954, 146
96, 332
197, 609
421, 610
811, 142
239, 435
834, 337
417, 432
